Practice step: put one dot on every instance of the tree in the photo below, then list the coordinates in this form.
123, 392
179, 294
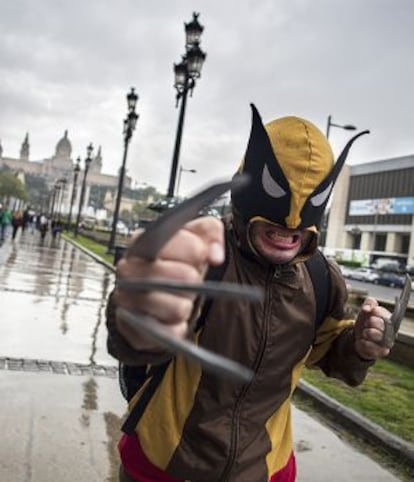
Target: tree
126, 216
97, 195
37, 192
141, 212
11, 186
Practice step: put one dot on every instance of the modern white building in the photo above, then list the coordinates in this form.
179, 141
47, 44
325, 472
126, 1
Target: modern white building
373, 208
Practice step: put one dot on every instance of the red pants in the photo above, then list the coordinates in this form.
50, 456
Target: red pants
136, 466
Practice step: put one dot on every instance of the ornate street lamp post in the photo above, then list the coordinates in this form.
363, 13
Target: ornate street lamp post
61, 184
130, 123
186, 73
347, 127
54, 200
181, 170
88, 161
76, 171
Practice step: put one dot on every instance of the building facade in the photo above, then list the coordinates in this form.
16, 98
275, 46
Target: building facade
373, 208
60, 166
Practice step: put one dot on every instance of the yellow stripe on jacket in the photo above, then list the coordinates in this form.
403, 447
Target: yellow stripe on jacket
168, 413
279, 428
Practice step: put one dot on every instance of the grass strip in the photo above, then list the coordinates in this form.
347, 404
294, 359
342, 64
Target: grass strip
96, 248
386, 397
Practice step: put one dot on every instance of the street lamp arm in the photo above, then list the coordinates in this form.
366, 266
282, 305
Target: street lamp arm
347, 127
179, 177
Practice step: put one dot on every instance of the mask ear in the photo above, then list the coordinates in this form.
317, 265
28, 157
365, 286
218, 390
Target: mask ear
314, 207
268, 182
342, 157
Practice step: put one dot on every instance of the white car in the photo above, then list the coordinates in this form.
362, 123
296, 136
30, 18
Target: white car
345, 270
363, 274
121, 228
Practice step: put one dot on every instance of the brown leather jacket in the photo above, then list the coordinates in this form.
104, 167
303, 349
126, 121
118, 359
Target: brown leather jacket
199, 427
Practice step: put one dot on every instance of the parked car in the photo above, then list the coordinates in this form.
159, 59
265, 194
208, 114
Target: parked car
345, 270
121, 228
387, 264
392, 280
87, 223
363, 274
391, 268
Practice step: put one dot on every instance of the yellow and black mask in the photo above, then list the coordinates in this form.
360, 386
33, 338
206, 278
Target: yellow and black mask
292, 171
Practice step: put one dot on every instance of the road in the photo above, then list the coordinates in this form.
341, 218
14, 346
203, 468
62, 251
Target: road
380, 292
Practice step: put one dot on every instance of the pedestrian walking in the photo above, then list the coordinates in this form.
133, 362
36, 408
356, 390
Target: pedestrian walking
25, 219
1, 217
56, 227
43, 226
17, 222
5, 221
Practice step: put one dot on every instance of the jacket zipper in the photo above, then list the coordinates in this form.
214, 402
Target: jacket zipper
273, 272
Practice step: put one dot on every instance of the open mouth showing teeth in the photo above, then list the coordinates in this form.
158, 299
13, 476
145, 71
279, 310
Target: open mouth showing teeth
281, 238
276, 235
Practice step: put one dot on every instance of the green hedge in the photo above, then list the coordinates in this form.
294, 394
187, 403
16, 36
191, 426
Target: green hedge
350, 264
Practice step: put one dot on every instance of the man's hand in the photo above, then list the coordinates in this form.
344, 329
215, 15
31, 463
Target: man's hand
184, 258
369, 330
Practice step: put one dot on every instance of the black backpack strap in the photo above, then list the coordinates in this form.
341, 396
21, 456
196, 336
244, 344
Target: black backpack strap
318, 269
139, 408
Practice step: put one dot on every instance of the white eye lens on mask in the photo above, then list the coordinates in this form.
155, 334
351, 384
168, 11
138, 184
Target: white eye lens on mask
320, 198
270, 186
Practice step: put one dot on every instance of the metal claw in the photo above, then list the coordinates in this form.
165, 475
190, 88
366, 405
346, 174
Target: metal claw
392, 324
212, 362
210, 289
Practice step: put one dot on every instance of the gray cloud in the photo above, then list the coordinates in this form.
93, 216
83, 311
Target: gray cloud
68, 65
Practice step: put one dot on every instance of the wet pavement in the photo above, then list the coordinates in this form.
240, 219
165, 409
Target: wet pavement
61, 407
54, 297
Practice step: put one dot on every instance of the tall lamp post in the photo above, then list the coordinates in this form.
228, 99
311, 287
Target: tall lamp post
130, 123
76, 171
62, 184
186, 73
54, 200
181, 170
88, 161
347, 127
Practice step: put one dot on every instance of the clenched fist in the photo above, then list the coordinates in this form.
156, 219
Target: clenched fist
370, 326
185, 258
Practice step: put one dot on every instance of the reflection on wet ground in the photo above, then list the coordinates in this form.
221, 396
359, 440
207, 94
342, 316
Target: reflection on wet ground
52, 302
52, 326
59, 428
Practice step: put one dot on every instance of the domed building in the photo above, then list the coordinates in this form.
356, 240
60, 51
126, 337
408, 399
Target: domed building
60, 167
64, 147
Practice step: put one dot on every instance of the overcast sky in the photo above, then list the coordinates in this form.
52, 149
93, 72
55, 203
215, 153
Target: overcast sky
69, 64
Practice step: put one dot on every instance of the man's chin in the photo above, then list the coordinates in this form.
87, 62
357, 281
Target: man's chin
279, 257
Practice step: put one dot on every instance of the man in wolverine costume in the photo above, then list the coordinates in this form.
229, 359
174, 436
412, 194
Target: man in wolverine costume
200, 427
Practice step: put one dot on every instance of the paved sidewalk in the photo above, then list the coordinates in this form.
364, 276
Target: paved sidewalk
64, 428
